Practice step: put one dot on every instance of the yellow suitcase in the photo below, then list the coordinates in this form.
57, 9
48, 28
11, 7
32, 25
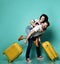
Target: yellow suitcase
13, 51
49, 50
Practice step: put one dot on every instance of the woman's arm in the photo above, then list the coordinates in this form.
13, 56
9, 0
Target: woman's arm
29, 35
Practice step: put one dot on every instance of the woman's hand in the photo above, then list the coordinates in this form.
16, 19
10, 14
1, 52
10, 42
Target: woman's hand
25, 41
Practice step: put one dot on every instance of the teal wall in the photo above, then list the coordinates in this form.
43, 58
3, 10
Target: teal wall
15, 15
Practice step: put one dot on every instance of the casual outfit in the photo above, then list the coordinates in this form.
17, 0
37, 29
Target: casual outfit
32, 39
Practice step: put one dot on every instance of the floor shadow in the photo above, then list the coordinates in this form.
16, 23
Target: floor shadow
48, 35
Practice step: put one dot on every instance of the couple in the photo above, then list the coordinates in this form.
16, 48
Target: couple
34, 32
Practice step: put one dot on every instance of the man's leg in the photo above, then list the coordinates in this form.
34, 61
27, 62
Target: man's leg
28, 49
38, 50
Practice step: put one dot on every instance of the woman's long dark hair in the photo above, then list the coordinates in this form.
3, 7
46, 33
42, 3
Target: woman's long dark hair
46, 17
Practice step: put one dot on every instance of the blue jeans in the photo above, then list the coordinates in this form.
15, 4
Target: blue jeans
28, 29
30, 41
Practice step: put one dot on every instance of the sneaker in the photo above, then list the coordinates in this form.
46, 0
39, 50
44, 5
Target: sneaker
28, 60
40, 58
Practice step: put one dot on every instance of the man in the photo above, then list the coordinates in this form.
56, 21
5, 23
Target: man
36, 29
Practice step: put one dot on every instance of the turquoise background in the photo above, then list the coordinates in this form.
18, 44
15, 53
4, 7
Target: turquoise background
15, 15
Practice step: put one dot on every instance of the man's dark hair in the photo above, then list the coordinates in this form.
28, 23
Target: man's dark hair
46, 17
48, 24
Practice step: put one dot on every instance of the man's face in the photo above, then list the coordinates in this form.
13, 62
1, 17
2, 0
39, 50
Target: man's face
42, 19
44, 25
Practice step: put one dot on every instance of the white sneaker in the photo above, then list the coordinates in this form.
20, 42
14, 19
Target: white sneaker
40, 58
28, 60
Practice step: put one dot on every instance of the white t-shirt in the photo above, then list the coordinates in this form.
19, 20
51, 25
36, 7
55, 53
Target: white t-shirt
36, 28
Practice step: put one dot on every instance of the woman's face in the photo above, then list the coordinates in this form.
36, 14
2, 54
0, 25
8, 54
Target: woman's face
42, 19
